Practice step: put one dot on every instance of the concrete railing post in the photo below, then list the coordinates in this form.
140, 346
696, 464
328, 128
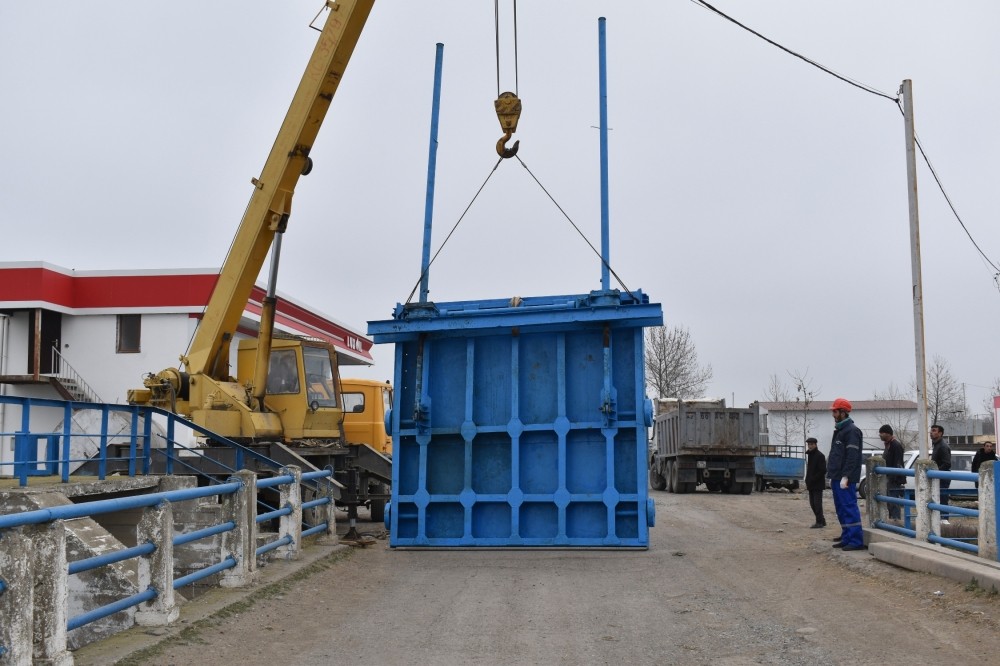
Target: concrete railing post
156, 570
241, 542
877, 510
51, 572
328, 513
925, 490
17, 586
291, 525
988, 479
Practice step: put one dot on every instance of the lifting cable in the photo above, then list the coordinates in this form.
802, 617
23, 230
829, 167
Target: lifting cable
554, 202
507, 104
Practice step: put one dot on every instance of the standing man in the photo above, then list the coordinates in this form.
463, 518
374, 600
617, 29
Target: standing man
844, 471
941, 455
984, 454
893, 455
815, 480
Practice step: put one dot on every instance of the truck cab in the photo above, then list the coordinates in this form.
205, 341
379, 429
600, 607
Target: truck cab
366, 403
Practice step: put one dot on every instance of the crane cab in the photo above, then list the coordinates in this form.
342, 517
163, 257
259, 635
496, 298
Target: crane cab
302, 387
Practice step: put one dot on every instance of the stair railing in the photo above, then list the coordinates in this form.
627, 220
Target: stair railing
61, 369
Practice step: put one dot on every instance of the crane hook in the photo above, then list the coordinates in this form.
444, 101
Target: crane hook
505, 152
508, 108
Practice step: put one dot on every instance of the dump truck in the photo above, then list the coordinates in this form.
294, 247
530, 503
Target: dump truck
703, 442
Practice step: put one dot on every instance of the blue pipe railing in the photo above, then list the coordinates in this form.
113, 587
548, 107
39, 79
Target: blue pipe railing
970, 545
99, 507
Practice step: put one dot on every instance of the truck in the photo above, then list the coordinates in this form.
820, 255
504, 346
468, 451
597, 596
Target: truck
703, 442
286, 397
779, 465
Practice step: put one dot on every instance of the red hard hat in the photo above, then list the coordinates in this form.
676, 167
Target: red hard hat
841, 403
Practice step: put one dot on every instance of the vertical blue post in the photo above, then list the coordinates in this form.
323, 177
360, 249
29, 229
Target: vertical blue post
67, 433
425, 260
133, 443
147, 437
603, 75
170, 444
102, 459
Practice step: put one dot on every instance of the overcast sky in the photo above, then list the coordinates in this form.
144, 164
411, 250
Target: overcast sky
760, 200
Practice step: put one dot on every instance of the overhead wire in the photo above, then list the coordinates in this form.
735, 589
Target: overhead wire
879, 93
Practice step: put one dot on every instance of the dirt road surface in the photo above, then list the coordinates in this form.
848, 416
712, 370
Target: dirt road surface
727, 580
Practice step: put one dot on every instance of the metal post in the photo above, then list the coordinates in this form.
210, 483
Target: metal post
915, 267
603, 86
425, 260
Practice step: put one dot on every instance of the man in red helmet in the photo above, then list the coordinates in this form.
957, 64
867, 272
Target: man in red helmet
843, 468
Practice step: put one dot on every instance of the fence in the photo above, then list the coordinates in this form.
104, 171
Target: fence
927, 506
34, 571
45, 446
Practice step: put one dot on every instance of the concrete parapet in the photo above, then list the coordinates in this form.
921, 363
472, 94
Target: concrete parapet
241, 542
17, 597
51, 593
291, 525
156, 570
987, 519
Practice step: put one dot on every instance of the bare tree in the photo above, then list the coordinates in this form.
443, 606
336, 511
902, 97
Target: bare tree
945, 396
902, 421
804, 396
781, 426
672, 369
988, 425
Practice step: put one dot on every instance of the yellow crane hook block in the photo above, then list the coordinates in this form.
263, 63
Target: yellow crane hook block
508, 107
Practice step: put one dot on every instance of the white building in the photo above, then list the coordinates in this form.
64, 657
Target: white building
93, 335
791, 422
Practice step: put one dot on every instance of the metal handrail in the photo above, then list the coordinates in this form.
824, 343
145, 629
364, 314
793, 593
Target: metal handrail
58, 362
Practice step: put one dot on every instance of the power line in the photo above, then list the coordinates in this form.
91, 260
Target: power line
856, 84
993, 266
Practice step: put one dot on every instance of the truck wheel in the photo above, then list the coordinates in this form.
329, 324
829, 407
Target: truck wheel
759, 483
656, 480
746, 488
377, 506
863, 488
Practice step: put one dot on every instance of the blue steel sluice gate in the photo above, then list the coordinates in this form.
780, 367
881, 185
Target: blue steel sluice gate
520, 425
520, 422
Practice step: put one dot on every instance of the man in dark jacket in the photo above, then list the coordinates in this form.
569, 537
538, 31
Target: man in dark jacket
815, 480
844, 471
984, 454
941, 455
893, 458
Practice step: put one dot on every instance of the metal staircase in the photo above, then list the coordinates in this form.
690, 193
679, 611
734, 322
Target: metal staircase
68, 382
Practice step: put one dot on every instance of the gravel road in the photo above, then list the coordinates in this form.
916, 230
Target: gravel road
728, 579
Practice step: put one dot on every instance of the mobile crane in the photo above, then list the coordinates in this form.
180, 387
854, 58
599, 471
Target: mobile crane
286, 395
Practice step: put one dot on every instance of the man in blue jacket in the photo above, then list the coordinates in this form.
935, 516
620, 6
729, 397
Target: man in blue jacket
843, 468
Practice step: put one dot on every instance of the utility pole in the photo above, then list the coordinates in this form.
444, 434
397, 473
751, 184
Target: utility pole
906, 90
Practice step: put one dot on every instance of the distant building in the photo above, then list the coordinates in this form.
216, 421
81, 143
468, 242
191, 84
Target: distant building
93, 335
789, 422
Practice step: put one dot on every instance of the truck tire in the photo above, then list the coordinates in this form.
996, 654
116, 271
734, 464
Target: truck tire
863, 488
376, 507
672, 484
656, 480
746, 488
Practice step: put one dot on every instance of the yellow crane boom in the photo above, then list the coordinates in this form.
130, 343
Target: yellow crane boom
271, 202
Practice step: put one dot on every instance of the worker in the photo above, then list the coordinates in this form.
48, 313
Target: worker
941, 456
893, 455
985, 453
815, 480
844, 471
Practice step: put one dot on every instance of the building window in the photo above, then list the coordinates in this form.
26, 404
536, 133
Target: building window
129, 328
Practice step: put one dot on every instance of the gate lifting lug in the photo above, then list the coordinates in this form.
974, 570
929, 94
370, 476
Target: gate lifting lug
508, 108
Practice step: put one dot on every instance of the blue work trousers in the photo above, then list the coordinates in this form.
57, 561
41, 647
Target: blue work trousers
848, 513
